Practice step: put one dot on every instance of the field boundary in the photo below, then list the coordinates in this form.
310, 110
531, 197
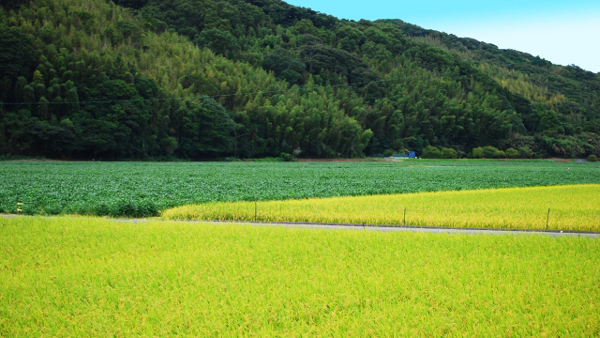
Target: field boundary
355, 226
384, 227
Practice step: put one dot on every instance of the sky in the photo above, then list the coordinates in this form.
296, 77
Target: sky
564, 32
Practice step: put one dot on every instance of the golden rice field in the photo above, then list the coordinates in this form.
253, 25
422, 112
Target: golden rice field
575, 207
82, 277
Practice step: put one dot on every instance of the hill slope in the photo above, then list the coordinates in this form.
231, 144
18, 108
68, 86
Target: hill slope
204, 79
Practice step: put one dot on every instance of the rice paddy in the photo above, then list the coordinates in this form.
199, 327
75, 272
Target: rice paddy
574, 207
85, 276
96, 277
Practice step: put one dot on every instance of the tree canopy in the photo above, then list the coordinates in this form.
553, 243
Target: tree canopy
205, 79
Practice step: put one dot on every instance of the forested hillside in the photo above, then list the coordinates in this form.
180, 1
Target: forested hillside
204, 79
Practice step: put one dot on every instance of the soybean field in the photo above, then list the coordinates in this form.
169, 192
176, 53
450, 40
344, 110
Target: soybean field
137, 189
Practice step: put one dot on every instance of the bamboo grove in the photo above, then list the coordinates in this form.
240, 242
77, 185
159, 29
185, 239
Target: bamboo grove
212, 79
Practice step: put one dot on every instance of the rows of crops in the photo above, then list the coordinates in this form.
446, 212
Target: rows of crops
574, 207
143, 189
92, 277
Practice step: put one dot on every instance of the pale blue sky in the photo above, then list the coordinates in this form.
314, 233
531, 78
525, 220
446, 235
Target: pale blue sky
563, 32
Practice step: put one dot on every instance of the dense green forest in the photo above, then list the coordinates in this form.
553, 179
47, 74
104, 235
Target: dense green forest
201, 79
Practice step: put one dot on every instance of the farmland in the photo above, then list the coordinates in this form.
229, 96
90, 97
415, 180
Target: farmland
144, 188
93, 277
572, 207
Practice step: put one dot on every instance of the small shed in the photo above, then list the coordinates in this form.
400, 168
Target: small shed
411, 154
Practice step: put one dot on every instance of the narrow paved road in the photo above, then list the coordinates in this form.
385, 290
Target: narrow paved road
429, 229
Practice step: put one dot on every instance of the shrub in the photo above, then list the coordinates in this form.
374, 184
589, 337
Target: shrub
431, 152
500, 154
288, 157
592, 158
388, 152
512, 153
267, 159
477, 152
489, 152
525, 152
449, 153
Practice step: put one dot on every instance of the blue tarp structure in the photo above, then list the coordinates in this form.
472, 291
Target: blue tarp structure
411, 154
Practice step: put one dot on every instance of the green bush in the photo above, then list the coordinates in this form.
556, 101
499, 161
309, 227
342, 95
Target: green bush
431, 152
477, 152
288, 157
267, 159
388, 152
500, 154
449, 153
512, 153
592, 158
525, 152
490, 152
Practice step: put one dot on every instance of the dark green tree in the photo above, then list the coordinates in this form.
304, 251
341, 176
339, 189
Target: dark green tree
285, 65
17, 56
206, 130
220, 42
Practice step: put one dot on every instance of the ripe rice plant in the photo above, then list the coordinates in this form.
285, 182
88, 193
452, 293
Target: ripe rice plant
93, 277
574, 207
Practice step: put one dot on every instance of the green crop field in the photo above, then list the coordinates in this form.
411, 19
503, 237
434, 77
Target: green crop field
94, 277
144, 189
